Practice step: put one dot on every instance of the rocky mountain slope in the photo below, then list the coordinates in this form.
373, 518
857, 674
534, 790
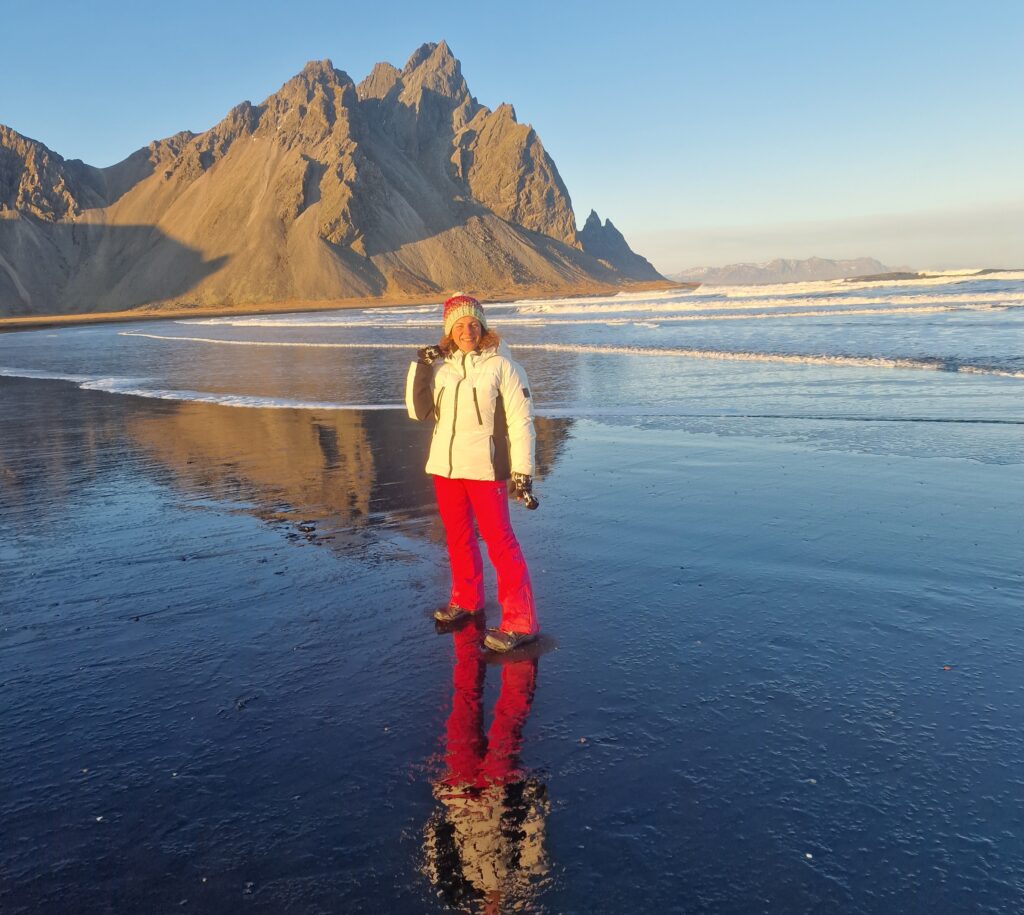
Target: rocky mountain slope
401, 185
782, 270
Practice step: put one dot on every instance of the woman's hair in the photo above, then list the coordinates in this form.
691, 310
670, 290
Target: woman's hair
449, 346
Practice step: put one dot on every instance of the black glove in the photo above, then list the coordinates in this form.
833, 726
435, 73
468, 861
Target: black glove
521, 487
427, 355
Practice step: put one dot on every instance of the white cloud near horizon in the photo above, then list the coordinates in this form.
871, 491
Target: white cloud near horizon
986, 236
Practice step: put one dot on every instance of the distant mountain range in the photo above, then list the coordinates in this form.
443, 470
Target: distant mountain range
782, 270
402, 185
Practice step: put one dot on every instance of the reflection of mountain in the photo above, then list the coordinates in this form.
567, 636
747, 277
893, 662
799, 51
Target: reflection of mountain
56, 439
341, 469
338, 468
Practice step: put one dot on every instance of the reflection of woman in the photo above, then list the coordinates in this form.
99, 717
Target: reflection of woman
485, 842
480, 402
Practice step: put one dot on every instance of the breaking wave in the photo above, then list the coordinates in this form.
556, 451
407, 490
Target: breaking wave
136, 387
921, 363
934, 364
880, 304
167, 337
754, 306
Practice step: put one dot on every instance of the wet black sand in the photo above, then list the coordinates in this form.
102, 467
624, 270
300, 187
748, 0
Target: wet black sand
775, 677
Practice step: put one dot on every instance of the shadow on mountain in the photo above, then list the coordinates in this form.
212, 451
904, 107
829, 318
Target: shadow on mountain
110, 184
420, 195
76, 267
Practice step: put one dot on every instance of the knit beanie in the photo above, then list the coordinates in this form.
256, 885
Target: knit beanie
459, 306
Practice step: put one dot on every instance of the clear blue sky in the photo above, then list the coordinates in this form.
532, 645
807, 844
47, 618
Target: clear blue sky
708, 132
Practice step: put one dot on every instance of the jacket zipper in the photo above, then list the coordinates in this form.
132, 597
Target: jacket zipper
476, 404
455, 416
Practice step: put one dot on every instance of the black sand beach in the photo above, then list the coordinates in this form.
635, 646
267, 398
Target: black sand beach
776, 676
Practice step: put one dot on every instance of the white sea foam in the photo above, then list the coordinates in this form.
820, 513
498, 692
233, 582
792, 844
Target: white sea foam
213, 340
739, 315
769, 310
897, 303
925, 364
40, 375
620, 298
310, 322
964, 287
136, 387
933, 365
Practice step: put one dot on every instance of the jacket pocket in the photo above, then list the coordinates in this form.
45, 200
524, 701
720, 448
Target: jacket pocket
437, 408
476, 404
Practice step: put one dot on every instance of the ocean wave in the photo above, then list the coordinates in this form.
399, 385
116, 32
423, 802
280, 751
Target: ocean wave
933, 364
724, 312
136, 387
923, 281
634, 412
738, 315
619, 298
279, 343
339, 322
40, 375
891, 304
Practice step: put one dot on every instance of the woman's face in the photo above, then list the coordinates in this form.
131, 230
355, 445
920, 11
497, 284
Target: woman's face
466, 332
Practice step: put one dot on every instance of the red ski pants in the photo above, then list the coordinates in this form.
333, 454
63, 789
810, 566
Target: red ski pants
459, 502
472, 758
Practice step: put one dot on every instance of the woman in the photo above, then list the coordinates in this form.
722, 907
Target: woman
480, 402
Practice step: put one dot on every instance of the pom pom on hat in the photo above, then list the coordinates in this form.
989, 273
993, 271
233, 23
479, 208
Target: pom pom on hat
459, 306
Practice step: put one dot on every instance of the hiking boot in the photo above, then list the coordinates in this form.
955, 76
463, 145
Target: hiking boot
501, 641
452, 614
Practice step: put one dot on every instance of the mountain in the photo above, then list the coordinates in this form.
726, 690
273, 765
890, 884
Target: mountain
402, 185
607, 243
782, 270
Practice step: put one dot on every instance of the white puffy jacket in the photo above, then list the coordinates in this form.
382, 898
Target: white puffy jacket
483, 411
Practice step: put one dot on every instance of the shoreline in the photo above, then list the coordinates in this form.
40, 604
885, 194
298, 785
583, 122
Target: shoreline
172, 312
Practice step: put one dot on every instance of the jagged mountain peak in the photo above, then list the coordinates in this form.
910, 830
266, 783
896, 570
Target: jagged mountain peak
434, 68
435, 54
317, 102
506, 110
317, 75
381, 80
35, 179
319, 68
607, 244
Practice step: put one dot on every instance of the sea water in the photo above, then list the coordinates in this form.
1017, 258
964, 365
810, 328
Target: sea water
845, 356
778, 570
